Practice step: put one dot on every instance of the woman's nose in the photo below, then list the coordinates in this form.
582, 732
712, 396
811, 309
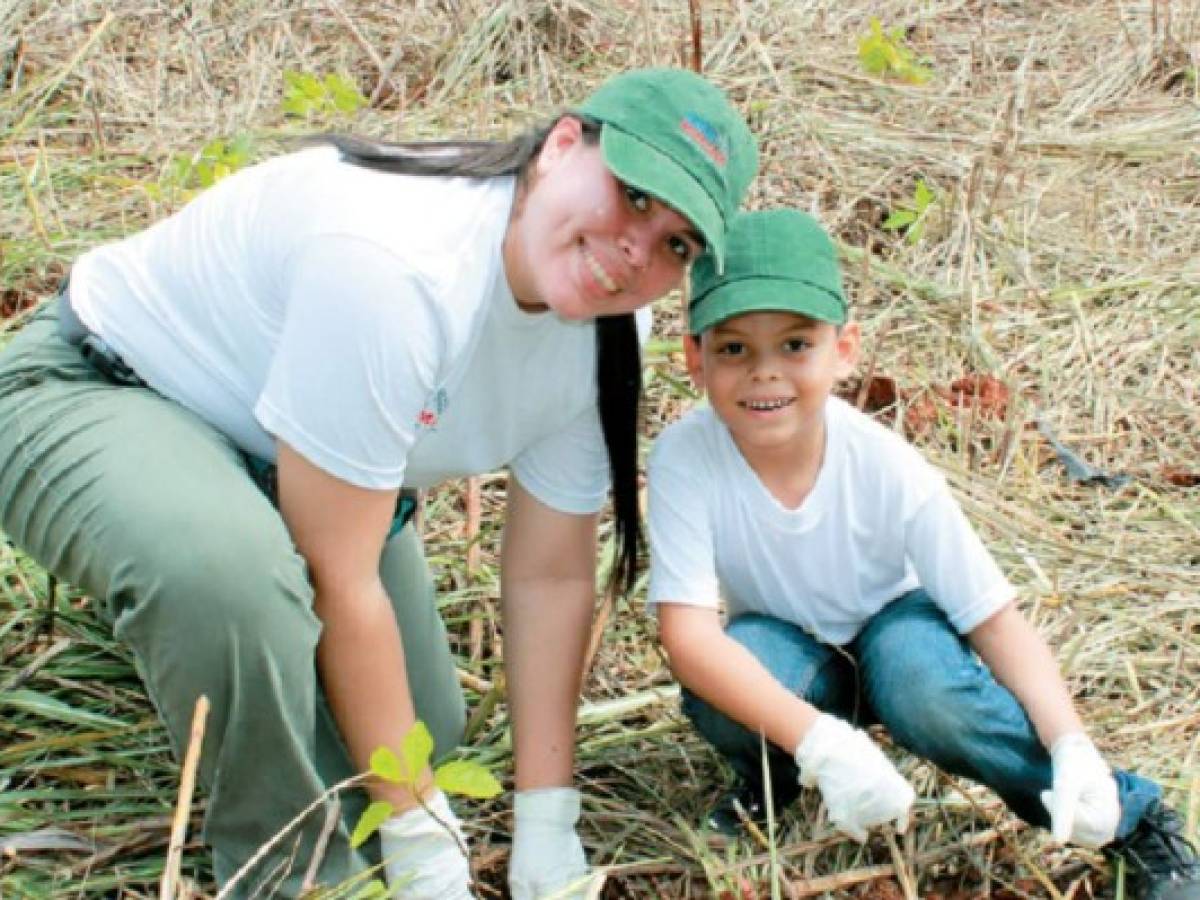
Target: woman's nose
635, 245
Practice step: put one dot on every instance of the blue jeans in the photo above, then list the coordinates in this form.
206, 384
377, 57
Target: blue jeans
911, 672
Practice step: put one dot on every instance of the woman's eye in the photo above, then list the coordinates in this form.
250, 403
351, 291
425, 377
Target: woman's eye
639, 199
680, 248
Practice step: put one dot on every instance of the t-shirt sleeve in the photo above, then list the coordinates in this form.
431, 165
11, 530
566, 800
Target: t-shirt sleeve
683, 565
953, 565
358, 355
568, 469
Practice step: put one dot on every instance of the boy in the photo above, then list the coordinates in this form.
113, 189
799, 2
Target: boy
855, 589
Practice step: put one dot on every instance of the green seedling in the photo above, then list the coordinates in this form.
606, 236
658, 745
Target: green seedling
912, 216
308, 97
458, 776
886, 53
187, 175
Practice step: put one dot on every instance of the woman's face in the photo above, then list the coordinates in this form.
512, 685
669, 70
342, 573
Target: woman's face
583, 244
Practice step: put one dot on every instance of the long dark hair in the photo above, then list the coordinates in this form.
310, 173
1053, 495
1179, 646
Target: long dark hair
618, 352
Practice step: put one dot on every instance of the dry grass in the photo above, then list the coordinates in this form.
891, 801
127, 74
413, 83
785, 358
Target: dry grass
1062, 141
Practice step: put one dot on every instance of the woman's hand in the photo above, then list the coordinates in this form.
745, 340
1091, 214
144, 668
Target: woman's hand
547, 855
424, 853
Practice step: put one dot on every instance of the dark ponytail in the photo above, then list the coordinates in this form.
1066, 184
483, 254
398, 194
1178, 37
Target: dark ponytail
618, 394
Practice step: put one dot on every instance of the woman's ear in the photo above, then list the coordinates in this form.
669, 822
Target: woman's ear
564, 136
694, 359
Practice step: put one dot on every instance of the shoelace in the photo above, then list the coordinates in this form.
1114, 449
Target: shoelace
1168, 847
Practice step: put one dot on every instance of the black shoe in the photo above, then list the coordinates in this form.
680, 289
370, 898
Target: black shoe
741, 803
1160, 863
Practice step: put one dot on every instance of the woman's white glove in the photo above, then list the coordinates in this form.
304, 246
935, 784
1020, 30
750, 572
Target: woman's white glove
860, 787
547, 856
1083, 804
423, 859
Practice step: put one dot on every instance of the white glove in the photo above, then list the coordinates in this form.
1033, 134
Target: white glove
1082, 803
858, 784
547, 857
422, 859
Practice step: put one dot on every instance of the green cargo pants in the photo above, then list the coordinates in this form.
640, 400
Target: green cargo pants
151, 512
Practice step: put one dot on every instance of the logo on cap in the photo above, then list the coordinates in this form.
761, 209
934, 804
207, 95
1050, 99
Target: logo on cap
709, 140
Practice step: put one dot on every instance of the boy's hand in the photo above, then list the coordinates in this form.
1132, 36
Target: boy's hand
423, 856
547, 856
860, 787
1083, 804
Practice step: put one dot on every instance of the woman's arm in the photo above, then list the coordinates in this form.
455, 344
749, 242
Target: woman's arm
1021, 661
340, 529
722, 672
548, 587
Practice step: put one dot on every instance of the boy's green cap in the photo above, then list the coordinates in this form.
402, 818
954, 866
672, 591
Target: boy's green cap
674, 135
776, 260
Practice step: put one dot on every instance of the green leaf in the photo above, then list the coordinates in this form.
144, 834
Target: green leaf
923, 196
46, 707
466, 777
416, 750
386, 765
343, 93
373, 816
372, 890
899, 219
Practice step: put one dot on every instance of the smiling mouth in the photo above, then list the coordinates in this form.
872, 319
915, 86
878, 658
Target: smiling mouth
766, 405
601, 276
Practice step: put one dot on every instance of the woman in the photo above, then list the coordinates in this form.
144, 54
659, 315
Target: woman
348, 321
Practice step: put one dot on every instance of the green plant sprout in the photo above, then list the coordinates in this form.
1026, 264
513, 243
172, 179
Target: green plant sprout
306, 96
886, 53
912, 216
187, 175
458, 776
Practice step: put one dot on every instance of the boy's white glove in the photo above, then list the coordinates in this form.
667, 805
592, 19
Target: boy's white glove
422, 859
1083, 804
547, 857
860, 787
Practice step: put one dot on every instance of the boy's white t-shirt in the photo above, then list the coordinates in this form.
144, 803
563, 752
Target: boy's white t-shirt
362, 317
878, 522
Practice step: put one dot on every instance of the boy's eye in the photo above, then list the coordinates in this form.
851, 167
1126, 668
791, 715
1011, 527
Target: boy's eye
731, 348
639, 199
795, 345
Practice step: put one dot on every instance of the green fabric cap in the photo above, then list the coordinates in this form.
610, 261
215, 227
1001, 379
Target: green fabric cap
776, 260
674, 135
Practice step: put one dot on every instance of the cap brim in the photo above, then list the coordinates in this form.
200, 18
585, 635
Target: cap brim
644, 167
758, 294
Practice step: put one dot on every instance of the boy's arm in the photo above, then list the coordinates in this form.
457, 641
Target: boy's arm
726, 675
1021, 661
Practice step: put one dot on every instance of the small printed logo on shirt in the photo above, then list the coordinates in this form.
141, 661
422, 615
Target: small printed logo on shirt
429, 415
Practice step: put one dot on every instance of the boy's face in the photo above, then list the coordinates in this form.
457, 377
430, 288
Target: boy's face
768, 374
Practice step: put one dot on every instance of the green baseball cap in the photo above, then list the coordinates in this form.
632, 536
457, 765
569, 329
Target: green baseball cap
776, 260
674, 135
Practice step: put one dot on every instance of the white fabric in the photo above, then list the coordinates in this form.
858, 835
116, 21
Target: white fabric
547, 855
878, 522
362, 317
423, 857
1083, 803
860, 787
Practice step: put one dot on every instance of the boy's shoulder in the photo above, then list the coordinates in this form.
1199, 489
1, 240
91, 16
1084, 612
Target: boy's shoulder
687, 438
869, 444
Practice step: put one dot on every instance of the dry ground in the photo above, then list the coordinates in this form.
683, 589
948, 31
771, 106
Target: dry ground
1055, 278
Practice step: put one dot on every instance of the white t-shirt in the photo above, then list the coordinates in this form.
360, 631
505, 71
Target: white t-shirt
878, 522
362, 317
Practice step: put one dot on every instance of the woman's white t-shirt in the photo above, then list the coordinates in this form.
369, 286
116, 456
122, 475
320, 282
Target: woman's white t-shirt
362, 317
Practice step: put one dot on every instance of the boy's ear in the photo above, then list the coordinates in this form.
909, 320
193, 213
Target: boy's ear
694, 359
849, 339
